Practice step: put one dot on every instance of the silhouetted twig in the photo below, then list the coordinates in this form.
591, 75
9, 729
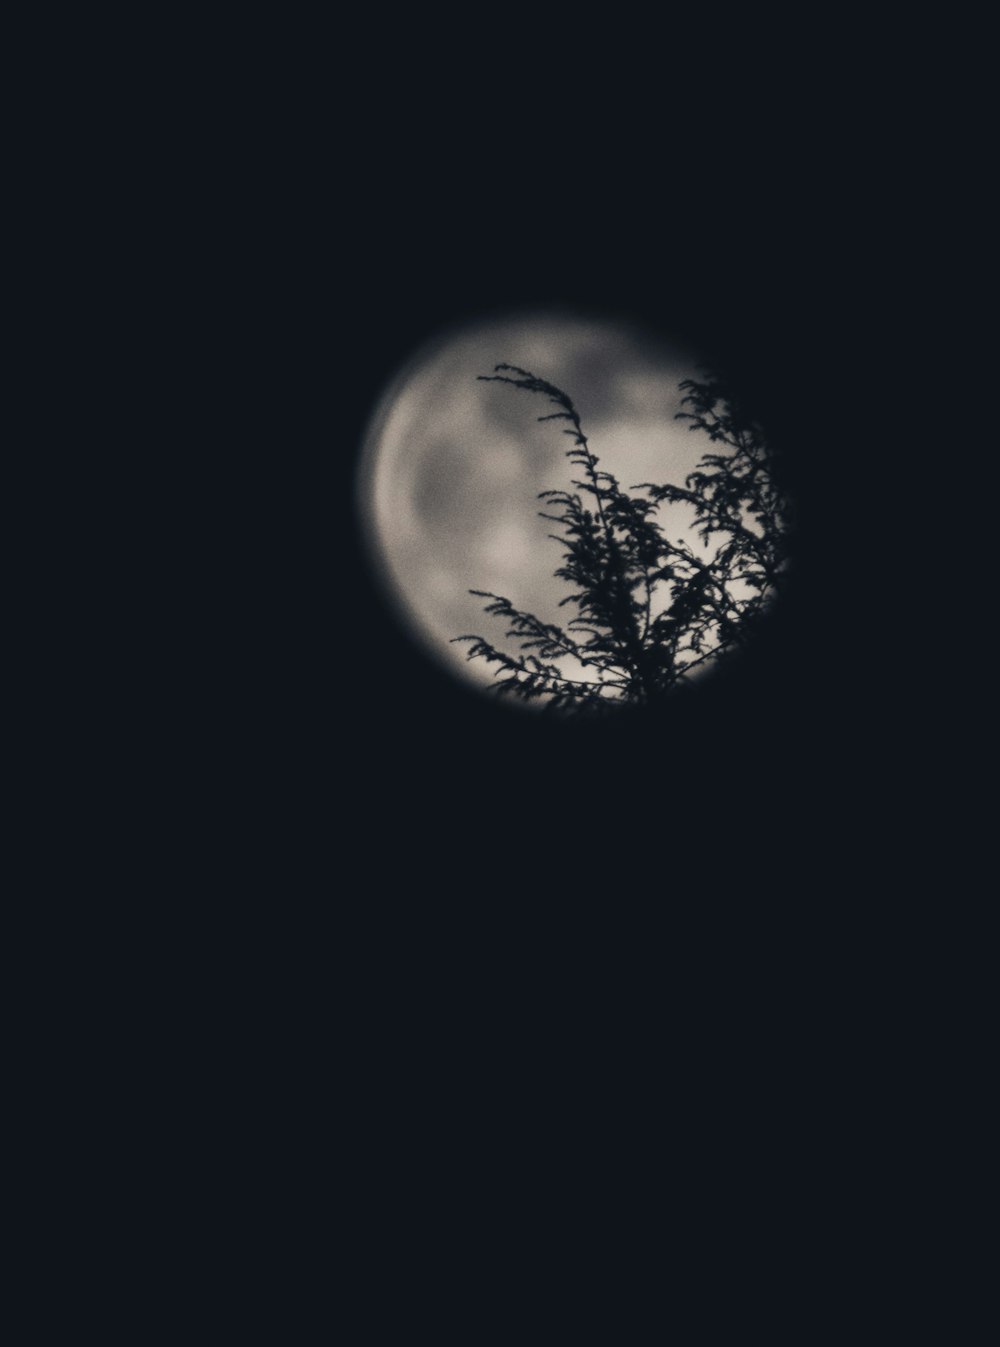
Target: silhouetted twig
649, 611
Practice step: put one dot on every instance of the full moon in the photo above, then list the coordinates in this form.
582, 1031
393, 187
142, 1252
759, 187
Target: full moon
451, 467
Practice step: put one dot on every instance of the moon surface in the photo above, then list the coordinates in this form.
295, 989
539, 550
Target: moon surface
451, 467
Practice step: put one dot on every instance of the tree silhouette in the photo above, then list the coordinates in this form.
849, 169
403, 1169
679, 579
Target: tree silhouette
650, 610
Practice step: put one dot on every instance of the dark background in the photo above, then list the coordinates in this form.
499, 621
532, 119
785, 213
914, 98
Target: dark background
380, 941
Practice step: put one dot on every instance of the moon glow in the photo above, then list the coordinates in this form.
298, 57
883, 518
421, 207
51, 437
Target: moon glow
451, 467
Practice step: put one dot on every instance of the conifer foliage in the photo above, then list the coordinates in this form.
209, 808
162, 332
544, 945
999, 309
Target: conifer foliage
650, 611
